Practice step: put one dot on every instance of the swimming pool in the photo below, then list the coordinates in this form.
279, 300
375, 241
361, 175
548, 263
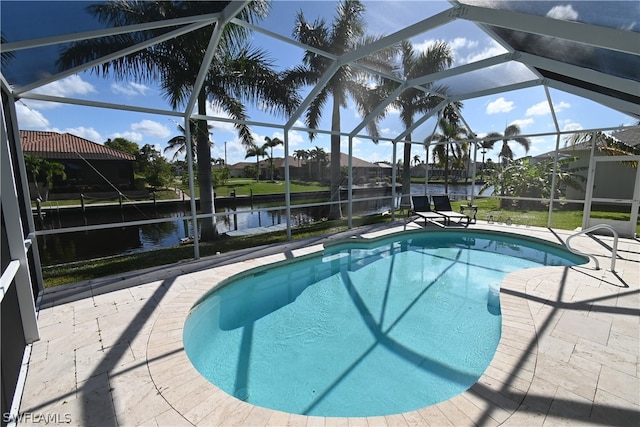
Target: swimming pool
368, 328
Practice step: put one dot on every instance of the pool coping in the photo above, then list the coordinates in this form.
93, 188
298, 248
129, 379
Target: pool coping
492, 399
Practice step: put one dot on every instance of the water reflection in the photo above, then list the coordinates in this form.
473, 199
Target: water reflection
68, 247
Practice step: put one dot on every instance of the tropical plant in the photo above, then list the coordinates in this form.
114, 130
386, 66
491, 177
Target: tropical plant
413, 101
448, 151
271, 143
256, 151
524, 179
155, 168
42, 170
345, 34
237, 73
510, 134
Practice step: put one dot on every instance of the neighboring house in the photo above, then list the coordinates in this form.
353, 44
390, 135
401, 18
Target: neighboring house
88, 166
363, 171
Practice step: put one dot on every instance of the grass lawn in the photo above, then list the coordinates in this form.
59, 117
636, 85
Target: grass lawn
247, 186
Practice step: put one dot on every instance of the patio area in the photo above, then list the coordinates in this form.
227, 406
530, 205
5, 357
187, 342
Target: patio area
111, 350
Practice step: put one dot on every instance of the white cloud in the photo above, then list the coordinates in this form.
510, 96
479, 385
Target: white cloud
542, 108
523, 123
500, 105
457, 45
569, 126
131, 136
72, 85
565, 13
295, 139
151, 128
30, 118
463, 43
87, 133
491, 49
129, 88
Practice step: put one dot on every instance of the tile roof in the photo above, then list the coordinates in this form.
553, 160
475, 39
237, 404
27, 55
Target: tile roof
628, 136
54, 145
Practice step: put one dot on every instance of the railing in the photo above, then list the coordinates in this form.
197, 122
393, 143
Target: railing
596, 227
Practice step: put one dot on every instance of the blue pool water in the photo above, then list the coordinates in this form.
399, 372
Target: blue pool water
365, 329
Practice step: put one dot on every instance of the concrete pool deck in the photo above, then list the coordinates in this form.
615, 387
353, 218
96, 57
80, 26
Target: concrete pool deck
111, 349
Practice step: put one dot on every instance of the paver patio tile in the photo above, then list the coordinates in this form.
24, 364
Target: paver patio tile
570, 377
413, 419
606, 356
608, 409
258, 416
555, 347
434, 416
138, 404
353, 422
172, 418
583, 326
203, 414
620, 384
279, 419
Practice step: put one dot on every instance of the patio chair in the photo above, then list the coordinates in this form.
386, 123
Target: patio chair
422, 208
442, 205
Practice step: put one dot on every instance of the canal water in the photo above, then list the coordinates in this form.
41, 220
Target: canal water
78, 246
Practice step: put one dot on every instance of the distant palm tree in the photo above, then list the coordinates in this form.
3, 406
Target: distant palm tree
345, 34
237, 74
510, 134
179, 143
270, 143
256, 151
301, 155
484, 146
413, 101
416, 160
318, 156
449, 151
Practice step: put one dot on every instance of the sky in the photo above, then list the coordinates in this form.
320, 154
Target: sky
527, 107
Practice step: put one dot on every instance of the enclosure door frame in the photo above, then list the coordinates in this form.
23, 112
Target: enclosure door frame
624, 228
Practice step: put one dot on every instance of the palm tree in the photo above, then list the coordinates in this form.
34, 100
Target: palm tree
484, 146
270, 143
256, 151
449, 150
345, 34
318, 156
413, 100
179, 143
237, 73
301, 155
416, 160
43, 170
510, 134
607, 144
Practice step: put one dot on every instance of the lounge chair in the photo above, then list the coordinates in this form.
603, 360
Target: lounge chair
422, 208
442, 205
